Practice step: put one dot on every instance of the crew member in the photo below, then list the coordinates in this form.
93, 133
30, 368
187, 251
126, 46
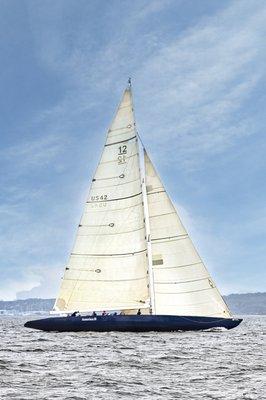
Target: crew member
75, 313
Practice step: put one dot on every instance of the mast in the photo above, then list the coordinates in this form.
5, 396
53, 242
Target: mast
146, 218
148, 239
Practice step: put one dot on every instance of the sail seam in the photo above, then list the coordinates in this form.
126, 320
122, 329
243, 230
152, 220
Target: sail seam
120, 133
121, 141
115, 161
170, 240
118, 129
132, 253
114, 210
162, 215
189, 304
109, 234
177, 283
183, 236
160, 191
120, 198
189, 291
106, 280
71, 269
118, 184
155, 188
120, 108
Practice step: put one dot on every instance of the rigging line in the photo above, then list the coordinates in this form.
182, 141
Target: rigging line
120, 141
138, 135
132, 253
120, 198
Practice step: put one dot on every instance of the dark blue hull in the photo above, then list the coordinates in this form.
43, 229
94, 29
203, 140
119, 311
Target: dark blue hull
131, 323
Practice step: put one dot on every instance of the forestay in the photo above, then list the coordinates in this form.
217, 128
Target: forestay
182, 284
107, 269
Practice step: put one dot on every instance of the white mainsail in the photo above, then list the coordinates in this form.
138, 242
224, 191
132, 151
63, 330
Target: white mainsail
132, 250
107, 269
182, 284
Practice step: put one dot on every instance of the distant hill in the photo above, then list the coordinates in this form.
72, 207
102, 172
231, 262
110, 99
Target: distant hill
28, 305
246, 303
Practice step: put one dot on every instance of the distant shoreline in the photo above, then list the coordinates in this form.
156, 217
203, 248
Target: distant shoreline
239, 303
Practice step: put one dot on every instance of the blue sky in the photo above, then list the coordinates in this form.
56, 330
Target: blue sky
198, 70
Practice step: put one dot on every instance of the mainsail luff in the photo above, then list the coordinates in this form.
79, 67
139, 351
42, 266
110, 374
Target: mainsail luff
182, 283
107, 268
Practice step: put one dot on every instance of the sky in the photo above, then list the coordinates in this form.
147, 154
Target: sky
198, 75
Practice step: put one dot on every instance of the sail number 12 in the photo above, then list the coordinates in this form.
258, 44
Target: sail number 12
122, 151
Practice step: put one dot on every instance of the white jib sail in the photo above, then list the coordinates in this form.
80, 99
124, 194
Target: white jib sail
182, 284
107, 269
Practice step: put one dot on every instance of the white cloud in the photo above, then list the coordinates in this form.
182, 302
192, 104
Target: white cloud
12, 286
49, 277
34, 152
195, 87
38, 281
190, 88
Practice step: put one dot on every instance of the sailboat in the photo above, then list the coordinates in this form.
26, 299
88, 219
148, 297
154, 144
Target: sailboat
133, 266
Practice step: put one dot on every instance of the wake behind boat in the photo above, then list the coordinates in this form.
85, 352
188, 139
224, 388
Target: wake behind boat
132, 251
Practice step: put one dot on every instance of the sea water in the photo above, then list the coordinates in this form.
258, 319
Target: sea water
181, 365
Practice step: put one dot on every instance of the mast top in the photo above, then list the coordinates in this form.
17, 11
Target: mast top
129, 82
